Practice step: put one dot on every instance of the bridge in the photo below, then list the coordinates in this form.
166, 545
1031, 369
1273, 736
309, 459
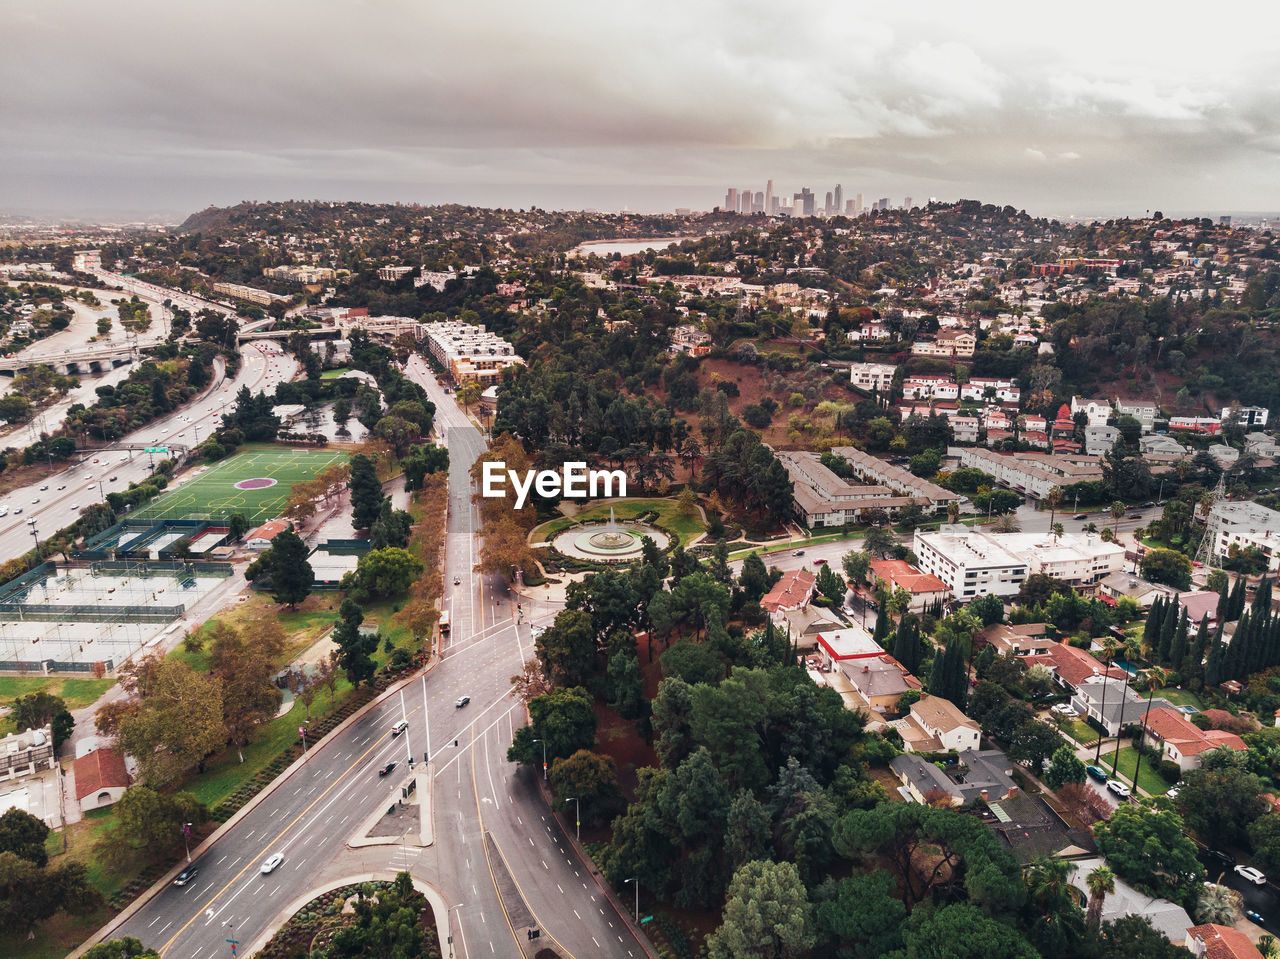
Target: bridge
82, 361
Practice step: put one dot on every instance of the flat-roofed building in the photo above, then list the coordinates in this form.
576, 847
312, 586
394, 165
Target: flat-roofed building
873, 377
971, 563
823, 498
1244, 524
469, 352
866, 466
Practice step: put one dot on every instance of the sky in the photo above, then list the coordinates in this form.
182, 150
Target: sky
1088, 109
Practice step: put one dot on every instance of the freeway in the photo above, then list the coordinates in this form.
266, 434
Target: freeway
48, 505
491, 829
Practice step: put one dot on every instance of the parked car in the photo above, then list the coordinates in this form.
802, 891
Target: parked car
399, 727
1066, 709
1119, 788
1255, 876
386, 769
272, 861
184, 877
1172, 793
1254, 917
819, 562
798, 552
1096, 772
462, 701
1081, 516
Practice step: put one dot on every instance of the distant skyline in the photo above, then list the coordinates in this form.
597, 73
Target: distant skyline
1099, 110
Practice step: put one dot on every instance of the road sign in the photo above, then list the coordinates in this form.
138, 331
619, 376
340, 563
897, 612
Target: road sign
155, 449
646, 919
302, 731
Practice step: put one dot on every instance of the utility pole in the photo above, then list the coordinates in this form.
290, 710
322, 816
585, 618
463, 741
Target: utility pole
637, 882
577, 816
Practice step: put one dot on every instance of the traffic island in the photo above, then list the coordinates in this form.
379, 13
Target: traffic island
404, 818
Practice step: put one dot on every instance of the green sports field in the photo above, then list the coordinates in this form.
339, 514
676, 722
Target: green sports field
213, 493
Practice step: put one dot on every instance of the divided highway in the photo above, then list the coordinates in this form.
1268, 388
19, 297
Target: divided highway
489, 823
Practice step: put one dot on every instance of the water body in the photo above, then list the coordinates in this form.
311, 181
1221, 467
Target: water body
624, 247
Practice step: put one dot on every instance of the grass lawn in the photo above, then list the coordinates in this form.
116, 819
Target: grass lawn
76, 692
214, 493
1080, 731
669, 518
335, 374
1180, 697
1148, 778
851, 538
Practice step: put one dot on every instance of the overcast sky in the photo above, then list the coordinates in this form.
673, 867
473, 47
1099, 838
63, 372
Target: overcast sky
1116, 107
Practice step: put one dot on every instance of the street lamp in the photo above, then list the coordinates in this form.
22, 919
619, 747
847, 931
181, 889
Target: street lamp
577, 816
186, 840
637, 882
544, 757
446, 915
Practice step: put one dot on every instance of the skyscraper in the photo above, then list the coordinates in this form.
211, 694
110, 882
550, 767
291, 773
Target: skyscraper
857, 204
744, 201
906, 203
838, 204
731, 200
827, 206
757, 204
804, 201
768, 197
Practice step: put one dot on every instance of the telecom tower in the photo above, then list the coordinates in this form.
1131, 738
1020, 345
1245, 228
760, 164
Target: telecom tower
1204, 553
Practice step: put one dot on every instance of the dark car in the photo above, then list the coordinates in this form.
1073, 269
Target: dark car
386, 769
1134, 516
184, 877
1081, 516
1096, 772
462, 701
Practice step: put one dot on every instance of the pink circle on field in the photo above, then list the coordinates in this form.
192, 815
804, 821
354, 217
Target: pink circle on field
258, 482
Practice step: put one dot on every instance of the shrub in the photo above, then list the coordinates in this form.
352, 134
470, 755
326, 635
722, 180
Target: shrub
1169, 771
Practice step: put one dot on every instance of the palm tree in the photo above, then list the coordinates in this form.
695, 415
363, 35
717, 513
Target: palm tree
1049, 882
1008, 523
1218, 904
1057, 531
953, 512
1101, 882
1053, 498
1117, 511
1110, 646
1155, 679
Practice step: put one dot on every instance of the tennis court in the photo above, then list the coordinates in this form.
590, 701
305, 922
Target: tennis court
256, 484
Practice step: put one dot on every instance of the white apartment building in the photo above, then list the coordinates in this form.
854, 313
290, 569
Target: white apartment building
1081, 560
965, 429
1142, 411
305, 275
1099, 439
1244, 524
1097, 410
389, 274
971, 562
872, 376
929, 387
824, 499
1247, 415
469, 352
1032, 473
896, 478
249, 294
1003, 390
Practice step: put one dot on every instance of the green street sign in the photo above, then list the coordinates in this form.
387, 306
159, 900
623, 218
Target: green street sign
155, 449
646, 919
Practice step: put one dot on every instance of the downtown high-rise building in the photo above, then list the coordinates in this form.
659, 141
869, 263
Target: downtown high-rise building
744, 201
757, 203
769, 205
837, 202
731, 200
804, 203
906, 203
828, 204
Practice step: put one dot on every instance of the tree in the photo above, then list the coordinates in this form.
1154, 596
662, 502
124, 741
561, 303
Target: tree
177, 722
391, 528
237, 526
30, 894
246, 665
125, 948
766, 915
146, 819
1220, 802
382, 573
830, 584
366, 492
563, 721
35, 710
747, 833
1264, 840
1101, 883
962, 932
567, 648
387, 924
754, 578
590, 778
422, 461
1033, 742
864, 916
1149, 847
23, 835
291, 576
1218, 904
1167, 566
856, 566
878, 541
625, 685
355, 648
1066, 768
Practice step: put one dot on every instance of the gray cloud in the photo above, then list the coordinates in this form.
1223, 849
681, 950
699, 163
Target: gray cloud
153, 105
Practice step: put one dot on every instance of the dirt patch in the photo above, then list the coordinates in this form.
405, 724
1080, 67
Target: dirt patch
889, 781
618, 739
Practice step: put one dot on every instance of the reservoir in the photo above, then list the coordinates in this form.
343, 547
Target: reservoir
623, 247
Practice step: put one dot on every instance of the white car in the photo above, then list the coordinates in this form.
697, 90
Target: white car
1119, 788
1065, 709
272, 862
1172, 793
1255, 876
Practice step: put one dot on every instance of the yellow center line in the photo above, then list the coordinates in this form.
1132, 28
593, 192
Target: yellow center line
201, 911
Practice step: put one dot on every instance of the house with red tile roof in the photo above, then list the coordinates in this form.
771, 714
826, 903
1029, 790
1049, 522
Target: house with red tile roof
261, 537
1071, 666
925, 588
101, 778
1181, 742
793, 591
1211, 941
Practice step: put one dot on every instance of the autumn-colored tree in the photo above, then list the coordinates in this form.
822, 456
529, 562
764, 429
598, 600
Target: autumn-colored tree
246, 664
177, 723
505, 528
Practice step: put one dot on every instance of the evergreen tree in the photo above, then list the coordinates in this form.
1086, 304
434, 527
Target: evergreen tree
883, 625
1224, 601
291, 574
1262, 598
938, 675
1151, 629
1233, 661
366, 492
354, 647
1236, 605
1178, 647
1168, 626
1193, 665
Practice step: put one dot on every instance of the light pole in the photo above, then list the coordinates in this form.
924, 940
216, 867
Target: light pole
186, 840
544, 757
577, 816
447, 911
637, 882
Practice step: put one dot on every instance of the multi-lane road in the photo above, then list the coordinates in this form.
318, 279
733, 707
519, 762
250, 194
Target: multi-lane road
490, 827
56, 502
